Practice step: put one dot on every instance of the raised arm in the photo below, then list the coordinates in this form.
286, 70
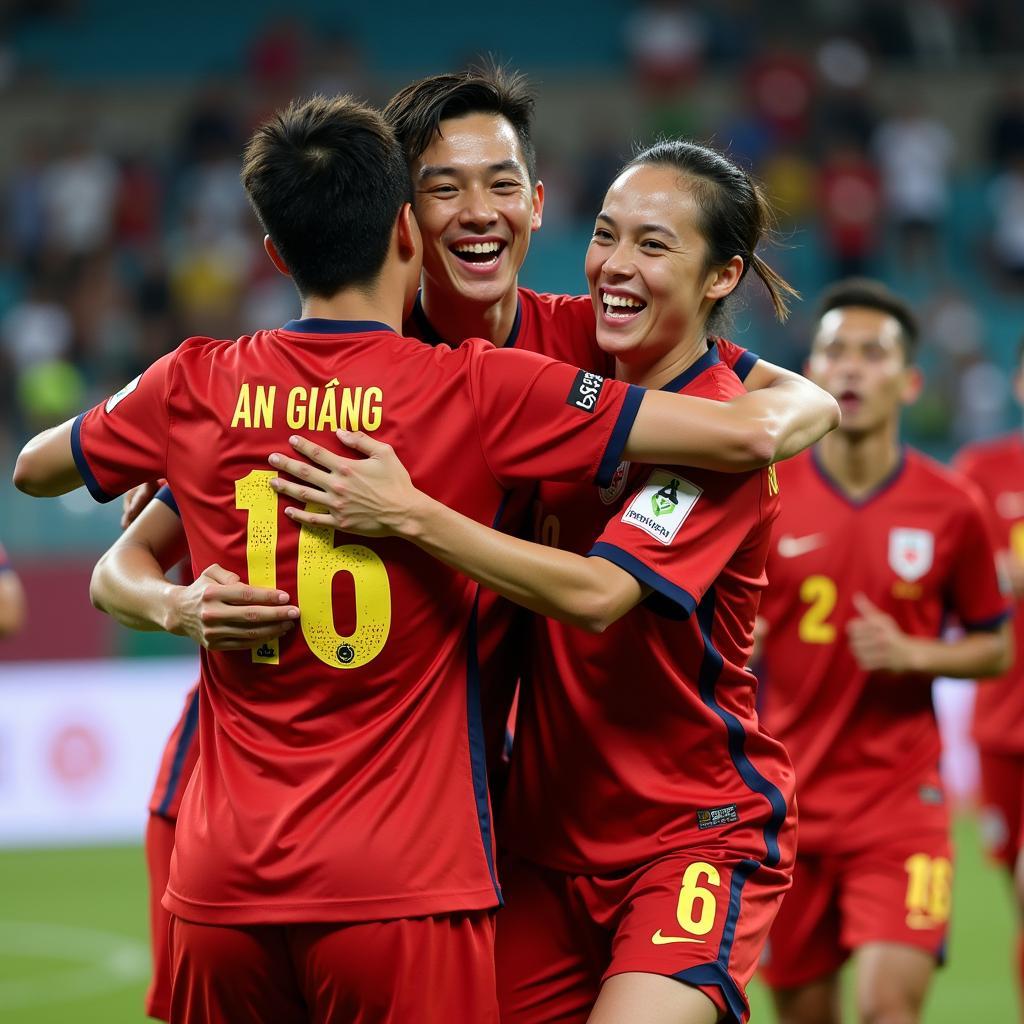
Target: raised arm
217, 610
753, 430
46, 466
375, 497
12, 601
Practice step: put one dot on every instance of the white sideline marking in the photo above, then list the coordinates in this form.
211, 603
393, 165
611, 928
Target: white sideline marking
99, 962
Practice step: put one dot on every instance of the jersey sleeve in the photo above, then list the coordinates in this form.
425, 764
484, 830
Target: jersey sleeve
167, 497
740, 360
122, 442
543, 420
973, 592
677, 533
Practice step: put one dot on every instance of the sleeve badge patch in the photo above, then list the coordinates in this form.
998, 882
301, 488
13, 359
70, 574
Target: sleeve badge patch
911, 552
661, 508
113, 400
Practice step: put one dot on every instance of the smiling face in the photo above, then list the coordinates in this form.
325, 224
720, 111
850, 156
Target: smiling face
476, 208
647, 267
858, 357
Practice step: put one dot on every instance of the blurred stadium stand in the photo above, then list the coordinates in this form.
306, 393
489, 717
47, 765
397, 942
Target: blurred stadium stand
892, 137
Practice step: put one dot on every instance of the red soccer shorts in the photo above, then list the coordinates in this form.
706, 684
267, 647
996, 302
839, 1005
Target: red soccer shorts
1002, 805
429, 969
900, 892
159, 846
700, 916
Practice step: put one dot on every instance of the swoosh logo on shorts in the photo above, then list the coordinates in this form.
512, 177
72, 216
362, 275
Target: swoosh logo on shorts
663, 940
794, 547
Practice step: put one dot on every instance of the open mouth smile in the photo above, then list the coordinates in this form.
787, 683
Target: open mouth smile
621, 308
479, 256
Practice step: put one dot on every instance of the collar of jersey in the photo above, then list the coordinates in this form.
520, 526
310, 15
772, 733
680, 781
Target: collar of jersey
882, 487
318, 325
430, 333
692, 372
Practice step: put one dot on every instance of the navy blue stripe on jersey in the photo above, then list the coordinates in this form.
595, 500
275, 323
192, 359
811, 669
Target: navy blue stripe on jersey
430, 334
745, 364
85, 471
710, 671
513, 335
165, 495
987, 625
188, 731
694, 370
620, 435
667, 599
318, 325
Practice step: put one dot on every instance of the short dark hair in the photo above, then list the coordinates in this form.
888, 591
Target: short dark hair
870, 294
417, 111
327, 179
735, 214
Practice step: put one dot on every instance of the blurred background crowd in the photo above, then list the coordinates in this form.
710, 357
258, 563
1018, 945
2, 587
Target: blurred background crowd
890, 135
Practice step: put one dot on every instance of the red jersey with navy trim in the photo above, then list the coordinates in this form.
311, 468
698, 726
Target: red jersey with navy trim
997, 468
865, 745
341, 772
645, 739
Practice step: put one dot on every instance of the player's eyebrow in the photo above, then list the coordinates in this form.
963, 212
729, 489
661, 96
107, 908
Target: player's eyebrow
644, 228
435, 171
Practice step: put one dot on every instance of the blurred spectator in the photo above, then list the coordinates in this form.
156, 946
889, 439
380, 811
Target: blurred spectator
665, 41
23, 205
1006, 124
37, 328
78, 192
1006, 197
844, 109
983, 395
790, 181
211, 127
914, 152
276, 54
780, 84
850, 208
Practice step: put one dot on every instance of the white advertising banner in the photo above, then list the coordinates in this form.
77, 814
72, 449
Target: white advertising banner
80, 744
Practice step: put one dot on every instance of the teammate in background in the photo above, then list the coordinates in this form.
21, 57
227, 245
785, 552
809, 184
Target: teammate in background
468, 140
875, 543
997, 467
12, 597
645, 800
277, 832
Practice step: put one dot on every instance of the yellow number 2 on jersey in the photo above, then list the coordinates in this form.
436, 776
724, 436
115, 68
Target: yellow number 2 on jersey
820, 593
319, 562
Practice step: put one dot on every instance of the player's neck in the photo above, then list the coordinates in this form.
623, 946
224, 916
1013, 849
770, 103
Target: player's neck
664, 369
456, 320
381, 304
858, 463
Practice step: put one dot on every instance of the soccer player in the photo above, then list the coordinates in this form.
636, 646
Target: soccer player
874, 545
12, 597
997, 467
329, 858
648, 815
468, 140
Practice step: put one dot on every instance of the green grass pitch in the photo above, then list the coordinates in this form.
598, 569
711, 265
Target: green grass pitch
73, 939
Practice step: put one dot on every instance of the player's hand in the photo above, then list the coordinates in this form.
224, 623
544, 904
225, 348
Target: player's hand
760, 635
135, 501
221, 613
877, 642
1011, 569
371, 497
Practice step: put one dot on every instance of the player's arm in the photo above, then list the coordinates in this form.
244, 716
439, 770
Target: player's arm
12, 602
747, 432
375, 497
46, 466
217, 610
879, 645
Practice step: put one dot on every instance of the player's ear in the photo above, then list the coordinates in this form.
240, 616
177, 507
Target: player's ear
538, 206
275, 256
913, 385
408, 233
723, 280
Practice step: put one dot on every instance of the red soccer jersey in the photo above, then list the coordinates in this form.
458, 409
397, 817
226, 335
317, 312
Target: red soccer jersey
340, 772
997, 467
645, 739
865, 745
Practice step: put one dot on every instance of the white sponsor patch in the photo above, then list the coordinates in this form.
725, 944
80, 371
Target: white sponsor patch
123, 393
911, 552
663, 505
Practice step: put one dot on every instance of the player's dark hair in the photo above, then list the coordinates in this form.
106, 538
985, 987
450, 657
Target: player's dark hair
735, 213
868, 294
327, 179
417, 111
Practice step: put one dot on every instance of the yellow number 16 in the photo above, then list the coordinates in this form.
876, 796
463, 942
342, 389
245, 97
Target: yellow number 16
319, 562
